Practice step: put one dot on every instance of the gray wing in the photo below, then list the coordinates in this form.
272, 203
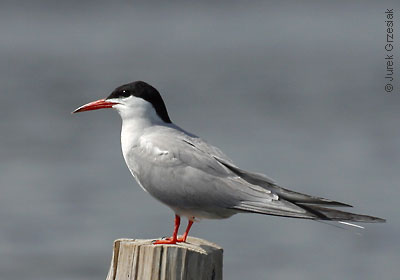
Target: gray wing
312, 204
185, 172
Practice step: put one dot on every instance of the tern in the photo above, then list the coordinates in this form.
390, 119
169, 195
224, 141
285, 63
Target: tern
195, 179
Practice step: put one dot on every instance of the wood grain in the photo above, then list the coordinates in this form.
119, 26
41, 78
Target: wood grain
139, 259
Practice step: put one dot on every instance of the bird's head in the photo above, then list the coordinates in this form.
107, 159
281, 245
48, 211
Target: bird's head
134, 100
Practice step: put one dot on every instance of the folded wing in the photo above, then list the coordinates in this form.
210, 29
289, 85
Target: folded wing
313, 205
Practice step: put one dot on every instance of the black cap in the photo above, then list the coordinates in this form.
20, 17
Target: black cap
145, 91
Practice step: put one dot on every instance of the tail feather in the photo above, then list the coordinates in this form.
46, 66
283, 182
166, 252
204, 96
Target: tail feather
312, 212
337, 215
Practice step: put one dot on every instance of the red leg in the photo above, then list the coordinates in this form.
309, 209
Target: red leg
174, 238
184, 236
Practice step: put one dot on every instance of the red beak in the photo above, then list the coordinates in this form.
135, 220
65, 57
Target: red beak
99, 104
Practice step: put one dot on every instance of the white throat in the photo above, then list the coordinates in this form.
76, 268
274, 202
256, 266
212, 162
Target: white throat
137, 115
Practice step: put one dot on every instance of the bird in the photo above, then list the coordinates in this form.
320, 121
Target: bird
194, 178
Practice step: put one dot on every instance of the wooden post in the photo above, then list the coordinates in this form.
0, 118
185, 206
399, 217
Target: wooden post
138, 259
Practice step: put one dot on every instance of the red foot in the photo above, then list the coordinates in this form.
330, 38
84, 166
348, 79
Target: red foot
174, 239
170, 240
165, 241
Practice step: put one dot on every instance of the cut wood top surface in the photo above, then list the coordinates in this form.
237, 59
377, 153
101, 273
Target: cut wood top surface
192, 243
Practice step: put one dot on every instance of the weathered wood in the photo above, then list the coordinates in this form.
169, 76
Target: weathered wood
138, 259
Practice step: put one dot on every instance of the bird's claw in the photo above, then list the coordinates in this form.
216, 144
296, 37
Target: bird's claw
169, 240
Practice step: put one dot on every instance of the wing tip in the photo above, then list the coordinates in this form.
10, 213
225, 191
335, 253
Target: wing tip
323, 201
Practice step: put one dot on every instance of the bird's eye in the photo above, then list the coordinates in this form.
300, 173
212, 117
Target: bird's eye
123, 93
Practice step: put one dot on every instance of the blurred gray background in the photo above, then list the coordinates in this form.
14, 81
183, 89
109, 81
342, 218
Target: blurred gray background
294, 90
